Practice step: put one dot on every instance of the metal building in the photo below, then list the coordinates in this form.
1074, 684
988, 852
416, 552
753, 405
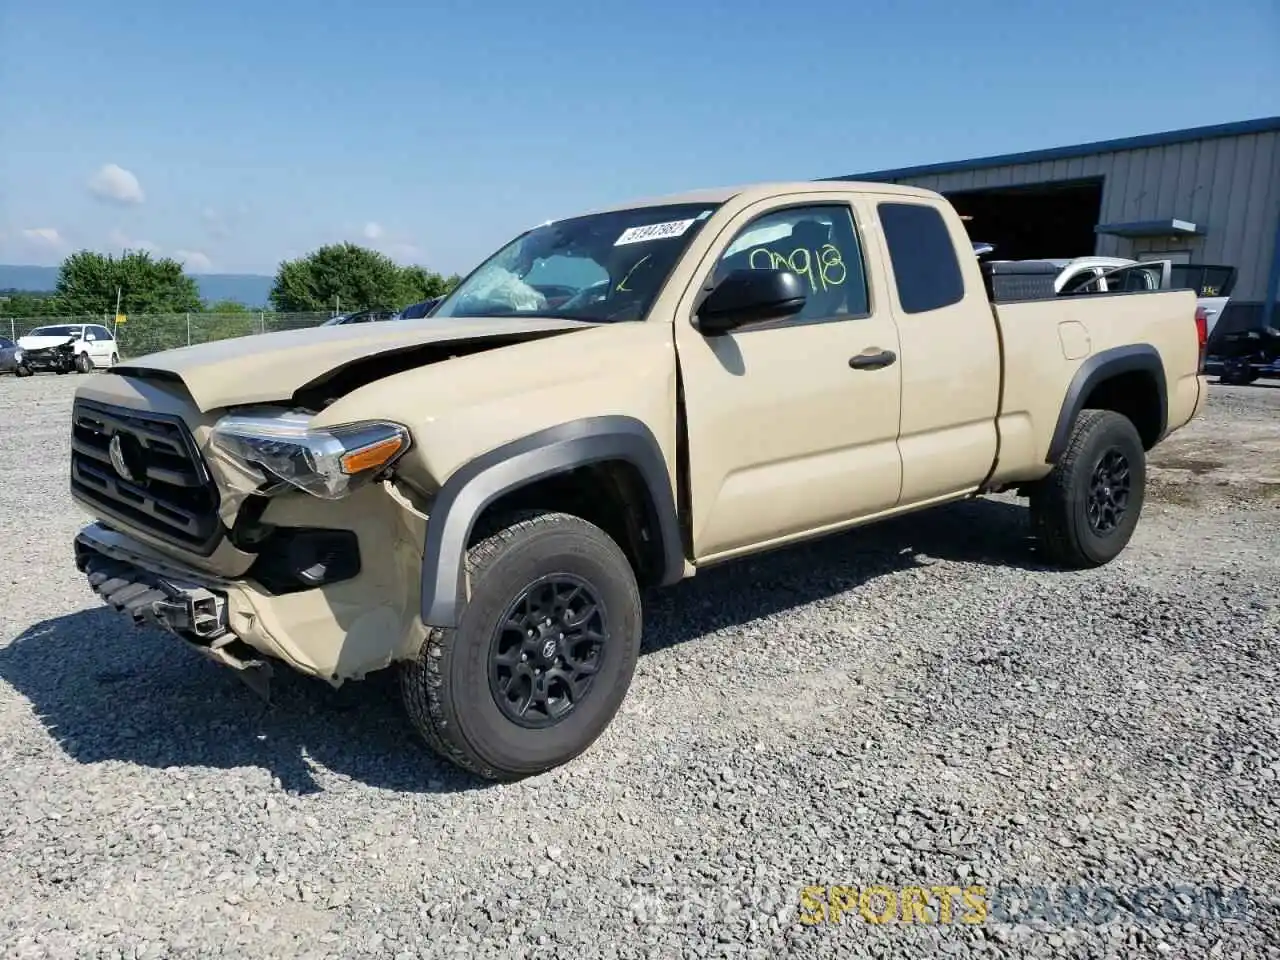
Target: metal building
1207, 195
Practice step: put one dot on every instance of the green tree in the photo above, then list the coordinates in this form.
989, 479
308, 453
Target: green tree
24, 303
352, 277
419, 283
87, 284
342, 274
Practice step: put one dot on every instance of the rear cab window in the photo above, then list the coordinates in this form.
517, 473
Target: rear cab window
926, 270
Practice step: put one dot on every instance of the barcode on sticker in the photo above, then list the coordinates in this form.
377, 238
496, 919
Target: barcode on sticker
653, 231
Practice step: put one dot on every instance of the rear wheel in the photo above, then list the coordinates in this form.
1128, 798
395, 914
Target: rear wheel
1238, 373
543, 653
115, 358
1086, 510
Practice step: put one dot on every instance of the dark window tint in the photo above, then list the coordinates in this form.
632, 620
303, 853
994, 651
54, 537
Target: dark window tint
923, 255
5, 343
102, 333
1207, 281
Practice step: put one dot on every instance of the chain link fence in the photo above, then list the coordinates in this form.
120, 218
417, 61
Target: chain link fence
145, 333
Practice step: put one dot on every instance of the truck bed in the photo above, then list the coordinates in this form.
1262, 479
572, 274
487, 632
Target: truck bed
1076, 329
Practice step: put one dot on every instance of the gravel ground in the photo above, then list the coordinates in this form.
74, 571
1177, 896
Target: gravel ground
916, 705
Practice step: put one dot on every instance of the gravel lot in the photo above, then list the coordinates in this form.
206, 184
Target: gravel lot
918, 704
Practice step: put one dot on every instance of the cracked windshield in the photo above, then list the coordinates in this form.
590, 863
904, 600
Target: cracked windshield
606, 267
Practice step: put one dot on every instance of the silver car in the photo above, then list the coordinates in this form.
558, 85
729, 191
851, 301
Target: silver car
12, 359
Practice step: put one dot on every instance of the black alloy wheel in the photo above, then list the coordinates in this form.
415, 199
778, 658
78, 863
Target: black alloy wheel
1085, 511
547, 650
542, 653
1109, 490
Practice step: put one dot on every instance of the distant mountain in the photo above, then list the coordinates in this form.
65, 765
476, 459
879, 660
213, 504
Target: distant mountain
251, 289
28, 279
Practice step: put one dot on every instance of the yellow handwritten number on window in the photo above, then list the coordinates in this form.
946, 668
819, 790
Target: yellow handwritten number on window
822, 268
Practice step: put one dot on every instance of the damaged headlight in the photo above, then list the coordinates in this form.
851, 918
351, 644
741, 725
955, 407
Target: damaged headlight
326, 462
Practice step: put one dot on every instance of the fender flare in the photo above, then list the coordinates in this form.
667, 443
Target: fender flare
1132, 358
479, 482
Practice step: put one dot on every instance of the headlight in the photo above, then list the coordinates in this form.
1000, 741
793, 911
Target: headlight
328, 463
17, 356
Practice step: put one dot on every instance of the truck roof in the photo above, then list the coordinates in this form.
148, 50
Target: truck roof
752, 191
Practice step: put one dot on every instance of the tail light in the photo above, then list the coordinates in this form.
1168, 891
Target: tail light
1202, 334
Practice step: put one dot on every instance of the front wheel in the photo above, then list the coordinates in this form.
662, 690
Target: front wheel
23, 371
1085, 511
542, 656
83, 363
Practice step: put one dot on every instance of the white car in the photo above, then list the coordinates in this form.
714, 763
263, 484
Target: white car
1212, 283
1040, 279
93, 344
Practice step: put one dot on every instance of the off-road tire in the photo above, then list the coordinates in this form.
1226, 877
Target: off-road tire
446, 690
83, 363
1238, 376
1060, 502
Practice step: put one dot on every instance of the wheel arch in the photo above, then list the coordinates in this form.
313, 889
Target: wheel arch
522, 463
1128, 380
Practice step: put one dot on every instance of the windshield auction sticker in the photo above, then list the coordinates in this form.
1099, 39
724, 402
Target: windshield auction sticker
654, 231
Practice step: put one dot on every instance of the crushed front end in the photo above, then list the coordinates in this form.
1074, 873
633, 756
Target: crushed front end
186, 603
56, 359
235, 534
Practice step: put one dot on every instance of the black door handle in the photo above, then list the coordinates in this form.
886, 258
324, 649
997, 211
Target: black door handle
873, 361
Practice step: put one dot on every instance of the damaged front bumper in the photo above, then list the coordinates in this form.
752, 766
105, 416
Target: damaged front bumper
59, 359
184, 603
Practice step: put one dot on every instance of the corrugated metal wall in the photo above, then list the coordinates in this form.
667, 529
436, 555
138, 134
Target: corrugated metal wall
1229, 186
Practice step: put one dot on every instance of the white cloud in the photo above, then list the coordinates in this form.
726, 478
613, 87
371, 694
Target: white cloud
215, 224
44, 236
193, 260
116, 184
119, 241
404, 253
399, 247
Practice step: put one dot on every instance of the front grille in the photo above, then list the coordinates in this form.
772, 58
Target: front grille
171, 496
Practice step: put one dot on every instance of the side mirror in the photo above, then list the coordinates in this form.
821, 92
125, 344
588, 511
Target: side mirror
750, 296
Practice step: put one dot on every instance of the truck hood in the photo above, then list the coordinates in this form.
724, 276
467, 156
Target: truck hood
272, 367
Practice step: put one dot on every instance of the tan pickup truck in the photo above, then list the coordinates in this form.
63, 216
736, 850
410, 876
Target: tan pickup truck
611, 402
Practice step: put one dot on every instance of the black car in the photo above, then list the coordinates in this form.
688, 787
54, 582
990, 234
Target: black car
362, 316
416, 311
12, 359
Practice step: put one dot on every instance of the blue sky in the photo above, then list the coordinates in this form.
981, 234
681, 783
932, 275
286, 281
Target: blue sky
241, 133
